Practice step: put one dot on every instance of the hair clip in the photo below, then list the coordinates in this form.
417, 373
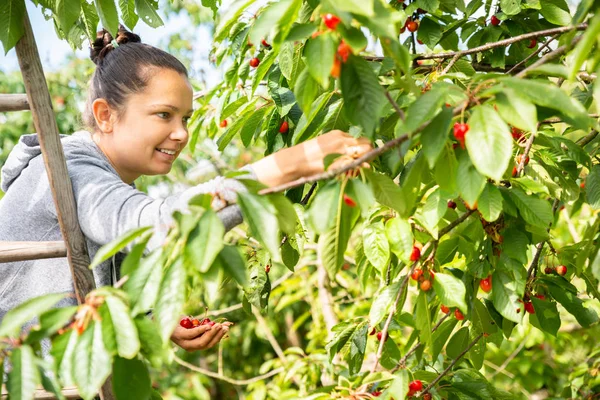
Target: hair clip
114, 43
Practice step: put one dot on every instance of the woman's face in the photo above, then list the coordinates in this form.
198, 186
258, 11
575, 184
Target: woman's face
151, 131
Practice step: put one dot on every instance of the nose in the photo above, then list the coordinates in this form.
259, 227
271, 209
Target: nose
180, 134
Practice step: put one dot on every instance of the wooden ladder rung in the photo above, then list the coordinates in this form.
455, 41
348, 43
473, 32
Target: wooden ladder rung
13, 102
21, 251
68, 392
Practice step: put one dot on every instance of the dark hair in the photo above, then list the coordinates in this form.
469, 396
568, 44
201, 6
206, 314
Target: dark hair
123, 69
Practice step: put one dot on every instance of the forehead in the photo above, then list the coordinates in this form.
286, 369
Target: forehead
168, 86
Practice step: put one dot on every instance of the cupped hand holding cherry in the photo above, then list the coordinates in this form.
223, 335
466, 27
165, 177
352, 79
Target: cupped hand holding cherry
193, 334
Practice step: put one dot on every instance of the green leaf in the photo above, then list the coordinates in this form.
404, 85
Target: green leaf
15, 318
91, 362
450, 290
283, 97
592, 187
362, 94
126, 335
376, 245
333, 243
556, 12
286, 60
423, 320
510, 7
229, 18
267, 20
11, 23
534, 211
143, 283
151, 343
261, 216
205, 241
546, 94
430, 32
435, 136
171, 298
116, 245
490, 203
324, 207
89, 19
422, 110
515, 109
131, 379
286, 213
50, 322
320, 53
107, 11
441, 335
146, 9
458, 342
387, 192
489, 142
24, 377
469, 181
130, 18
586, 316
583, 49
390, 355
547, 315
400, 237
382, 303
481, 318
358, 344
259, 288
263, 69
399, 386
342, 332
234, 264
506, 296
252, 124
306, 90
361, 7
67, 12
433, 210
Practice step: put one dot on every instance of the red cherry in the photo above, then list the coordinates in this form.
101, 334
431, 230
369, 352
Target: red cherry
561, 270
425, 285
206, 321
254, 62
445, 309
532, 43
540, 296
518, 310
380, 335
412, 26
416, 274
223, 124
374, 331
416, 385
331, 21
514, 172
458, 315
495, 21
419, 41
582, 185
284, 127
529, 308
460, 131
186, 323
344, 50
548, 270
349, 201
264, 43
376, 393
427, 396
486, 284
416, 254
267, 268
520, 157
195, 322
336, 69
451, 204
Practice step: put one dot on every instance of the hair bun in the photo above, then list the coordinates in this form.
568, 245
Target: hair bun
103, 44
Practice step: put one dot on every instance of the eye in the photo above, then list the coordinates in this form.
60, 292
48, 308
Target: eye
163, 115
186, 120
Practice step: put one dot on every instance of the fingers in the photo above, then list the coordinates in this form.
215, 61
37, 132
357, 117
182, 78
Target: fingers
218, 337
203, 341
188, 334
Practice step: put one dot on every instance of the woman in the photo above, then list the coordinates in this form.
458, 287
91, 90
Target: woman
139, 103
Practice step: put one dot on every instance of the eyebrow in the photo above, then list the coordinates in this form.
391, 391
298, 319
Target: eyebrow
170, 107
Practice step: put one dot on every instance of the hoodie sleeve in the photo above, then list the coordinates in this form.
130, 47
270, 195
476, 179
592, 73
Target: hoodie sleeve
108, 207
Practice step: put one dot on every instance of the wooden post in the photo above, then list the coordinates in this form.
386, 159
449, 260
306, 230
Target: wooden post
56, 168
13, 102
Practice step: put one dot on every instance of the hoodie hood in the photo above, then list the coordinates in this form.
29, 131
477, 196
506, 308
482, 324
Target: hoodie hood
26, 150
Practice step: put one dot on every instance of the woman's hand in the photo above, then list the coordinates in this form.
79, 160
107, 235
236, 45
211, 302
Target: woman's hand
306, 159
199, 338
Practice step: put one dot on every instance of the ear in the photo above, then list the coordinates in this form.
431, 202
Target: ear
103, 115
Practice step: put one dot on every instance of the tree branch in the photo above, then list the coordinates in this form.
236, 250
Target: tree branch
536, 258
399, 111
550, 56
440, 376
529, 57
455, 223
525, 154
221, 377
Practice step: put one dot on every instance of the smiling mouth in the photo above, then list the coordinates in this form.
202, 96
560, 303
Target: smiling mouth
169, 152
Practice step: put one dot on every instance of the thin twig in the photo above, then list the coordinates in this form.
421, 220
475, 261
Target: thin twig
450, 64
550, 56
305, 199
455, 223
399, 111
586, 139
512, 356
534, 263
270, 337
237, 382
525, 154
529, 57
440, 376
504, 42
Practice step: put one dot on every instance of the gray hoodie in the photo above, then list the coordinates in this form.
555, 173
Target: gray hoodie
106, 207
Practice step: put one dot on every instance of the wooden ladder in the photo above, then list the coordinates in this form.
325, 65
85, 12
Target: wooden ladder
74, 245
